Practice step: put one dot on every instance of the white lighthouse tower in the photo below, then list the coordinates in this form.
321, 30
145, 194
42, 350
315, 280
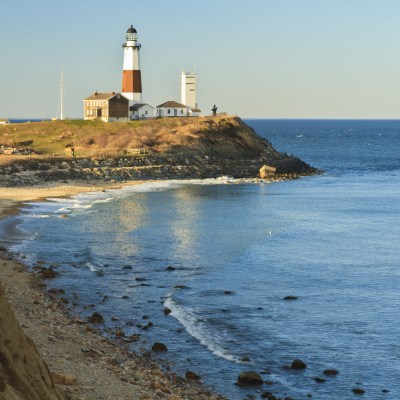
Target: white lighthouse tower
131, 78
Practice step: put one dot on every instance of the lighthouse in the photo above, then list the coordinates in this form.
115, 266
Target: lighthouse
131, 77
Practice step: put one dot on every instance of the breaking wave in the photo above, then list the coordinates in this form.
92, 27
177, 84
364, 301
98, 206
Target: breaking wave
198, 330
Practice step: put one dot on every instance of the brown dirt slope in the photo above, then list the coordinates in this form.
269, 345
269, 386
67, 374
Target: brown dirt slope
23, 375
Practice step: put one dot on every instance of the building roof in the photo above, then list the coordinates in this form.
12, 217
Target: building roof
131, 30
137, 106
171, 104
102, 96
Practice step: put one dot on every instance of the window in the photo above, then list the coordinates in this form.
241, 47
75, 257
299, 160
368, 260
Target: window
146, 112
181, 111
169, 111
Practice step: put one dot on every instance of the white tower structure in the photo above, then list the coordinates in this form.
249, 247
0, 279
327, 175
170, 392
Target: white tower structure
131, 78
188, 89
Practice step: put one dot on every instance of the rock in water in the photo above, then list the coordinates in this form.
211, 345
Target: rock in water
298, 364
191, 375
96, 318
358, 391
247, 378
119, 332
159, 347
47, 273
331, 372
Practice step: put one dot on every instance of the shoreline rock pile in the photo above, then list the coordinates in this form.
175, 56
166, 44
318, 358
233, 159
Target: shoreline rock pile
120, 169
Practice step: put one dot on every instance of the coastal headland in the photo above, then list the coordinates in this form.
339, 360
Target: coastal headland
177, 148
45, 353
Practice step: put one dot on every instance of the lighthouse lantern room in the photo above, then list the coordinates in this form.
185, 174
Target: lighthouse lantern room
131, 77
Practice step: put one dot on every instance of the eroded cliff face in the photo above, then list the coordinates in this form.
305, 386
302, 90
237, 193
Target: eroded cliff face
23, 375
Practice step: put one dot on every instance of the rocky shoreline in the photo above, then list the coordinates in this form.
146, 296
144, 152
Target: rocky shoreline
121, 169
70, 358
83, 364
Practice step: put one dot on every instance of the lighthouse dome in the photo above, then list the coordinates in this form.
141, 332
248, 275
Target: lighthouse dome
131, 30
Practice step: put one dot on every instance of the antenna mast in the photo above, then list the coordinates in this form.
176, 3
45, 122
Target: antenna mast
62, 96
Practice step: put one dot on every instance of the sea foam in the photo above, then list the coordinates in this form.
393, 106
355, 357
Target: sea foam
198, 330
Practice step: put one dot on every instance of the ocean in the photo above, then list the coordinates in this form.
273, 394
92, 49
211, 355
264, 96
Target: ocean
331, 241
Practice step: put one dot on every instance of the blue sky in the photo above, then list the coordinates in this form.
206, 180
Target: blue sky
255, 58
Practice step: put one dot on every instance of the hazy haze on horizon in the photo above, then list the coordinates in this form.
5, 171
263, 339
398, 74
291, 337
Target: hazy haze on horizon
257, 59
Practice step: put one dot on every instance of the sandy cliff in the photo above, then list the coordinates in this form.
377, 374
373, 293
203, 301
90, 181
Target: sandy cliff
23, 374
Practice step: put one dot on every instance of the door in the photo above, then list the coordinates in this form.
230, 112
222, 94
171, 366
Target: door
175, 113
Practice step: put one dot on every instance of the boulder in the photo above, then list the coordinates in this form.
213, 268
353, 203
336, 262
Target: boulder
47, 273
96, 318
159, 347
63, 379
290, 298
358, 391
268, 396
298, 364
119, 332
69, 379
167, 311
192, 376
247, 378
330, 372
267, 171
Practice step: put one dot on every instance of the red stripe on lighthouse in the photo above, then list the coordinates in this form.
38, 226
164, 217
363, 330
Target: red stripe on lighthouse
131, 82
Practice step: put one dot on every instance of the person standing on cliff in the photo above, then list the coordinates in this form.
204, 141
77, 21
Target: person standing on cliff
214, 110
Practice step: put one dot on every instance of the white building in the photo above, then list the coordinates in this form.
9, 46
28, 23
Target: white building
172, 109
189, 92
188, 89
141, 111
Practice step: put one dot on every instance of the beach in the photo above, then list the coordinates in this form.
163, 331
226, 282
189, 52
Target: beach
82, 363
